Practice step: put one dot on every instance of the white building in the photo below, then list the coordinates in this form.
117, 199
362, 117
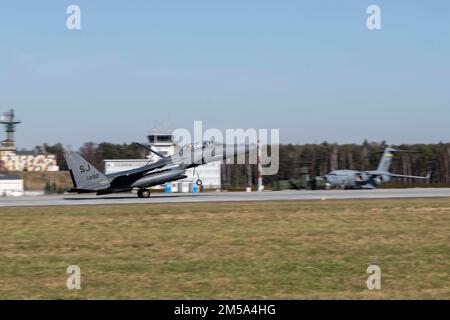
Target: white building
28, 160
114, 166
11, 186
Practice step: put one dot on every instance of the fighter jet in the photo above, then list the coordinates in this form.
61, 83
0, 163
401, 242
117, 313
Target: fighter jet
87, 179
351, 179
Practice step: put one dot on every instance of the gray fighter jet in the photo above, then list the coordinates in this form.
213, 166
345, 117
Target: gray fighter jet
87, 179
351, 179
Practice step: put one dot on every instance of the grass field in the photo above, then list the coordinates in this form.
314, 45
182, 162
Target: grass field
270, 250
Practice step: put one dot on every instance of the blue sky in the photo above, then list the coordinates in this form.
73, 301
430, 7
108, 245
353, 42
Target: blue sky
310, 68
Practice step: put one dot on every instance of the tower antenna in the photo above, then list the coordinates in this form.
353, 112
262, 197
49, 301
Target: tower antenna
10, 125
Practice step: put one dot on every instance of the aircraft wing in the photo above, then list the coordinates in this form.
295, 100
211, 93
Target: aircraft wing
428, 176
152, 166
167, 167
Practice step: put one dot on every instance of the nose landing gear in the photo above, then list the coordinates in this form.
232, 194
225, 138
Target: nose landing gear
144, 193
199, 182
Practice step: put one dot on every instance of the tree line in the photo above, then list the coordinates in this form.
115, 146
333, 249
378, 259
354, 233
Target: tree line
320, 159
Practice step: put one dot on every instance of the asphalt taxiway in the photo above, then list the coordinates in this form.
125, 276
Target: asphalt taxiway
291, 195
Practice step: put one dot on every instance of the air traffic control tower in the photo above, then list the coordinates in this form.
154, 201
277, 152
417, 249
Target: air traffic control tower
10, 124
161, 140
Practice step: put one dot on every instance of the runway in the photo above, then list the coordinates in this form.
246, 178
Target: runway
291, 195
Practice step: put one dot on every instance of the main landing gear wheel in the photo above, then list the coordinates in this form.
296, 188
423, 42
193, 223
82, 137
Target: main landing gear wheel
199, 182
144, 193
